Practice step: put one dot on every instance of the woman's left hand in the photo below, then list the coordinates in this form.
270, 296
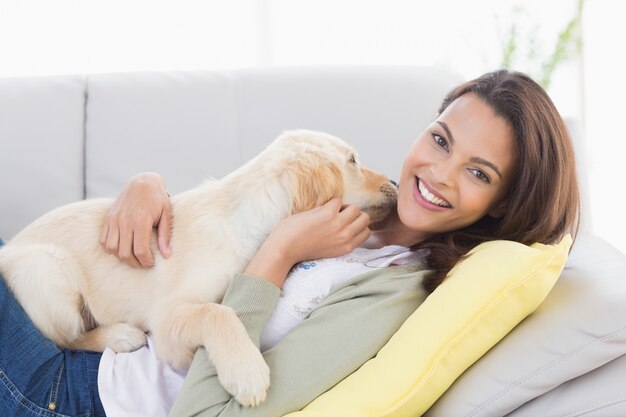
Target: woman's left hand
127, 229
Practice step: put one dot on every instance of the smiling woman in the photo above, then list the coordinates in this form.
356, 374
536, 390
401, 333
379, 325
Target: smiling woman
498, 146
453, 181
450, 199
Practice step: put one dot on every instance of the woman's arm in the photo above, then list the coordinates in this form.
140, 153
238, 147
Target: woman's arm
350, 326
330, 230
326, 231
144, 203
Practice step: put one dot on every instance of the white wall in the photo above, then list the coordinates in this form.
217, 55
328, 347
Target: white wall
78, 36
605, 109
81, 36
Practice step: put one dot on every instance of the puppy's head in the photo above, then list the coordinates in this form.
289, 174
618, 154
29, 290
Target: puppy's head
320, 166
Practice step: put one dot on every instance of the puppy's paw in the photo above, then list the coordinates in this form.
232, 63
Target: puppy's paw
124, 337
246, 377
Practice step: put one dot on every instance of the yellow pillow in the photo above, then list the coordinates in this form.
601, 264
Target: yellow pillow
484, 297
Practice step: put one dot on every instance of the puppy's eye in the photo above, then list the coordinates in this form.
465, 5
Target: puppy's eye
352, 159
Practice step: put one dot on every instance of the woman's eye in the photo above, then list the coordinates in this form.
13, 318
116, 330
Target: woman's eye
441, 141
481, 176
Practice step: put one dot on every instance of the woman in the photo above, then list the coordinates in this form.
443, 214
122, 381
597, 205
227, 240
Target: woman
497, 163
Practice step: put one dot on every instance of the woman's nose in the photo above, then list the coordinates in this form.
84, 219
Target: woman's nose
443, 174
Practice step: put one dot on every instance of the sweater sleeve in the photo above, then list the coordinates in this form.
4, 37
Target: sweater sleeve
346, 330
253, 300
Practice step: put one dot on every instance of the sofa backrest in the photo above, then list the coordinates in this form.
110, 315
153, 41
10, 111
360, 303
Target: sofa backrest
65, 138
42, 140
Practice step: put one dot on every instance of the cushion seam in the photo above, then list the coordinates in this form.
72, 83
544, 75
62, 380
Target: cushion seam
545, 368
596, 407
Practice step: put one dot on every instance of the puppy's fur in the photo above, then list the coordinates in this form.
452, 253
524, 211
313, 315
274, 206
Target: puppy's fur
83, 298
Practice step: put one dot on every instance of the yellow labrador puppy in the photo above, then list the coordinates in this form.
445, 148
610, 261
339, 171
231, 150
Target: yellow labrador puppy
84, 298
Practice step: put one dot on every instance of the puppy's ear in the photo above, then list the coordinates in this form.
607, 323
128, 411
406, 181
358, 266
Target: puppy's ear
314, 187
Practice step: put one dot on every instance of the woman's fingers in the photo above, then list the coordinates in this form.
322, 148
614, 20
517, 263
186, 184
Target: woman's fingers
361, 237
349, 213
354, 219
142, 234
112, 242
333, 205
164, 232
104, 233
129, 241
125, 250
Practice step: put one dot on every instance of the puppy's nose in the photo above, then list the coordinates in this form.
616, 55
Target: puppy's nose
395, 184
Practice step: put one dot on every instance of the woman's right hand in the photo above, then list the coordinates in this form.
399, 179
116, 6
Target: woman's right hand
323, 232
127, 229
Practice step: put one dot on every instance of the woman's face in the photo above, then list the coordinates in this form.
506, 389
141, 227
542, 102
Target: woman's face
457, 170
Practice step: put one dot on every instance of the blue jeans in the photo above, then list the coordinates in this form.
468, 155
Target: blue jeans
36, 377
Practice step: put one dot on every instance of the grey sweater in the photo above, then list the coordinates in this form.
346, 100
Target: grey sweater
342, 333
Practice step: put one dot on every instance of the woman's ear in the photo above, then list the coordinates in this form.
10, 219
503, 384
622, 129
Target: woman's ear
498, 211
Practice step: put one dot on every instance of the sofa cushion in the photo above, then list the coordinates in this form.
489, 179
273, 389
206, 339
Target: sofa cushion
484, 297
599, 393
379, 110
182, 125
41, 147
194, 124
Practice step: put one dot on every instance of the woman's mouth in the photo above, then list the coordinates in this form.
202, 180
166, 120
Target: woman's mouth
428, 199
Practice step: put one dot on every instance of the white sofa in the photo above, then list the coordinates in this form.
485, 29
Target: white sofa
66, 138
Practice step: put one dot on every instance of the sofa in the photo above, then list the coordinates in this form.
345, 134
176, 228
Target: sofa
66, 138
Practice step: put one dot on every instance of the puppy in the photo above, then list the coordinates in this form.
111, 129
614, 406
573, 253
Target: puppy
84, 298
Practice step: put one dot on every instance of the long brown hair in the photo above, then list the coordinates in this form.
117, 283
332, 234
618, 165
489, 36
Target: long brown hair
542, 202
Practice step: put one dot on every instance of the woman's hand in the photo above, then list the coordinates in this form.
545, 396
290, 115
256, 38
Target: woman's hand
324, 232
142, 205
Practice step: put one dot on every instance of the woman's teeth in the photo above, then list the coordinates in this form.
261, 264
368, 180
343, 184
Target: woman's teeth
428, 196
